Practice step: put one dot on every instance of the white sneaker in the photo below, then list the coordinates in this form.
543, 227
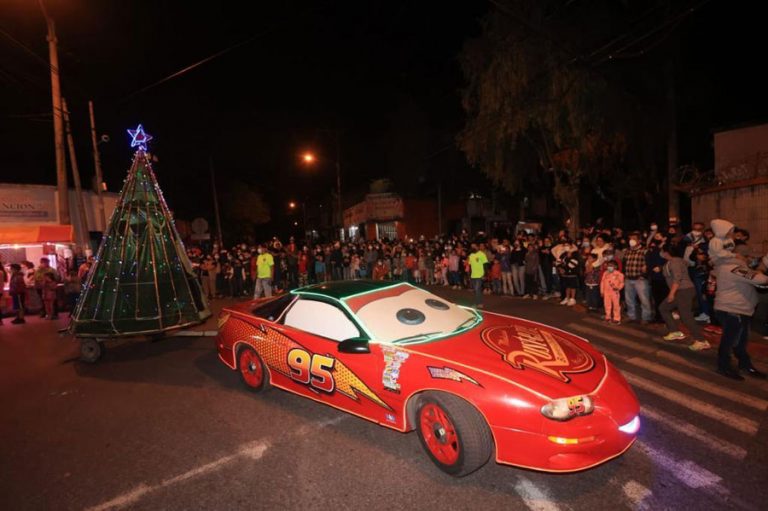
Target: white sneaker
699, 345
535, 297
674, 336
702, 317
556, 294
571, 302
564, 301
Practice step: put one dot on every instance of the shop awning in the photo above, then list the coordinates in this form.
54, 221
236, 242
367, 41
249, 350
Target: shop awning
35, 233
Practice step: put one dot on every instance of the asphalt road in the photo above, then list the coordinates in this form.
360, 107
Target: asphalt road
165, 425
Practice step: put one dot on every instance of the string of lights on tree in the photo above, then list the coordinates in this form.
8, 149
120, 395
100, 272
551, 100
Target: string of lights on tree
142, 281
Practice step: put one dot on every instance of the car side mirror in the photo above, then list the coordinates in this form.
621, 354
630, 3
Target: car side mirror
354, 345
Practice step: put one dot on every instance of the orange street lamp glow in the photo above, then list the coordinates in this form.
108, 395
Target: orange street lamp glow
291, 204
308, 157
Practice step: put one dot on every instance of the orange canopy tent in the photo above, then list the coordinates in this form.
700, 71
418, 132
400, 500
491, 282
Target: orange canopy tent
21, 234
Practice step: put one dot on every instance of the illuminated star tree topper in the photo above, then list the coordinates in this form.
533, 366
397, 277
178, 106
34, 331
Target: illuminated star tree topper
140, 138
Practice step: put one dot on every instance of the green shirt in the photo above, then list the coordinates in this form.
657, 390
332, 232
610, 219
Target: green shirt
477, 262
264, 264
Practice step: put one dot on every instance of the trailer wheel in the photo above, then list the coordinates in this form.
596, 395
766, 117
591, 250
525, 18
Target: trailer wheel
91, 350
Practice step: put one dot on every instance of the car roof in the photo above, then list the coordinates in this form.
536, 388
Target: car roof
342, 289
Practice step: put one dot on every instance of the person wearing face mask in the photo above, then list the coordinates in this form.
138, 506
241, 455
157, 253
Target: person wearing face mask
637, 286
611, 284
696, 243
265, 272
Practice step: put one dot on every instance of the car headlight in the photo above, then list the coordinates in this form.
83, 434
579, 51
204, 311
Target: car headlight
568, 408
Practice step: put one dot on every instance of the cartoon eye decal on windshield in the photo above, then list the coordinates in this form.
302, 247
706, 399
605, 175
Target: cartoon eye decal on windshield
410, 316
437, 304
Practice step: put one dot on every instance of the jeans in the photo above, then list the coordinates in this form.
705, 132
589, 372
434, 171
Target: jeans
266, 285
506, 283
496, 286
634, 289
530, 283
700, 283
477, 286
684, 304
518, 276
593, 297
453, 278
542, 281
734, 338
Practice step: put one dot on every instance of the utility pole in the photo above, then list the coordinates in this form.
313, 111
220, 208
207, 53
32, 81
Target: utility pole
58, 128
215, 201
672, 192
440, 207
97, 168
83, 241
338, 181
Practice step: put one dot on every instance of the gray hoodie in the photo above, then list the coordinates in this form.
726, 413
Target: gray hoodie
721, 247
736, 286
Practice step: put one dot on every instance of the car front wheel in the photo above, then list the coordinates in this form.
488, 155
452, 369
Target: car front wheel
453, 433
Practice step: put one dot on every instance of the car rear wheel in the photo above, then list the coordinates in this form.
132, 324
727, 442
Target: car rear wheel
453, 433
252, 371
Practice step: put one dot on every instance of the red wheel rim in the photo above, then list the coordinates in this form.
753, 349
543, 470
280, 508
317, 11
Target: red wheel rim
439, 434
250, 367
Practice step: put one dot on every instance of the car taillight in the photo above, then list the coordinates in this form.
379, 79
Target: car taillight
567, 408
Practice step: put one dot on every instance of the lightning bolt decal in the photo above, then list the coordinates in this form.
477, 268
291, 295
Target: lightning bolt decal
350, 385
273, 347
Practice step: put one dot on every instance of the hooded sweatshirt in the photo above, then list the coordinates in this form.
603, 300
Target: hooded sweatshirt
736, 287
721, 247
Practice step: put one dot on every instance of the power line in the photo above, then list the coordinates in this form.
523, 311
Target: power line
226, 50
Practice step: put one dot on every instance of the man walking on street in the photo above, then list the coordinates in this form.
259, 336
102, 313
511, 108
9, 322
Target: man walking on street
735, 302
265, 272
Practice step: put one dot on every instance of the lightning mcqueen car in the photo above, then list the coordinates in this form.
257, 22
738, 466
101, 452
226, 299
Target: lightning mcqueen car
471, 384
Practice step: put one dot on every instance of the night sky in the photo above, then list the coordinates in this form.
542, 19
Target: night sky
384, 74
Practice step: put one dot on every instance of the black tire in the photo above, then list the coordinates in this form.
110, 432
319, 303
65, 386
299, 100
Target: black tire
91, 350
249, 366
469, 448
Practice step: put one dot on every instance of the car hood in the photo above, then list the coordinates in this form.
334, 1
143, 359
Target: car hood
541, 358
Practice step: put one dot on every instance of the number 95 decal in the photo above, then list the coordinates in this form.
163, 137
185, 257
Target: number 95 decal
313, 370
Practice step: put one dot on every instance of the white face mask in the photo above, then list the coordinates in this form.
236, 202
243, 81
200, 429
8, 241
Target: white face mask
610, 269
633, 243
609, 257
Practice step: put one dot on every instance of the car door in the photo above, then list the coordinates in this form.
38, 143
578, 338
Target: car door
319, 371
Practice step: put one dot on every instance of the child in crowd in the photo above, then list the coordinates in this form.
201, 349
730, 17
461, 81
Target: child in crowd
72, 286
592, 282
496, 276
49, 294
611, 284
569, 264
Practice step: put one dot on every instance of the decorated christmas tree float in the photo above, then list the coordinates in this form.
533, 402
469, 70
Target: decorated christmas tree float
141, 282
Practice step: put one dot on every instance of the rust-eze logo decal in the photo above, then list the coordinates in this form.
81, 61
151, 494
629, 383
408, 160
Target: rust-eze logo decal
538, 349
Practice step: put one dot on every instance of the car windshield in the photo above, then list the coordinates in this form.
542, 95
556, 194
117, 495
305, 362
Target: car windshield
405, 314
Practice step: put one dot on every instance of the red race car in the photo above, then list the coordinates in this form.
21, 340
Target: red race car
472, 385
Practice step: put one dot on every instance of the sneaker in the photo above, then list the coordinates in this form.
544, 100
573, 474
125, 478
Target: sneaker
713, 329
480, 306
674, 336
616, 321
754, 373
607, 320
699, 345
526, 296
556, 294
571, 302
18, 321
564, 301
702, 317
535, 297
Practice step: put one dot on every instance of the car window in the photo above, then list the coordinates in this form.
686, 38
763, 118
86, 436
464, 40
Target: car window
320, 318
272, 310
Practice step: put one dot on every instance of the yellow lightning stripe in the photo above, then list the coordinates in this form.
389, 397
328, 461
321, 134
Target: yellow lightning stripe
350, 385
273, 347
